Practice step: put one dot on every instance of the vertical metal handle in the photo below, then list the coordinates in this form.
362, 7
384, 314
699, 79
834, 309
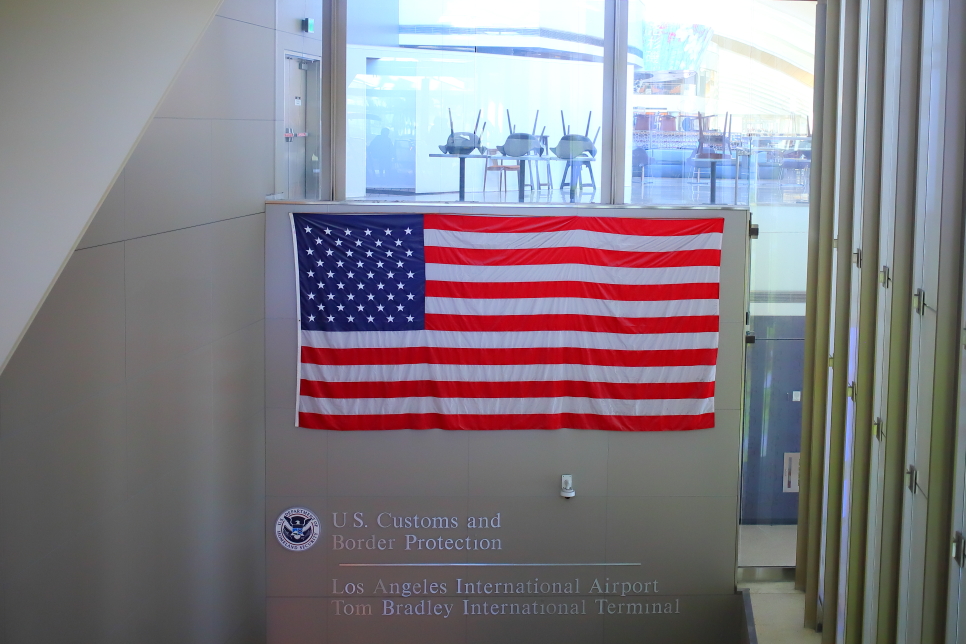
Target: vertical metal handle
920, 298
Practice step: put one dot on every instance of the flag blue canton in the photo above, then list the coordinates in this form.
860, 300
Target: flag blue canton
361, 272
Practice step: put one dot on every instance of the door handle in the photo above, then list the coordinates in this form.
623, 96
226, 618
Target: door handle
290, 135
913, 475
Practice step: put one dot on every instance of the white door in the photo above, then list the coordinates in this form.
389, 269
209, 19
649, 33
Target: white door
898, 123
923, 329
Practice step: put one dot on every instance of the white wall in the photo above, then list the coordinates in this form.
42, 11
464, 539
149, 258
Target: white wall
132, 413
80, 81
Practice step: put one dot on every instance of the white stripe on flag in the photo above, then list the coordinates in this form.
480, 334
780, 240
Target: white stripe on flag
505, 373
571, 306
562, 405
571, 238
573, 273
509, 340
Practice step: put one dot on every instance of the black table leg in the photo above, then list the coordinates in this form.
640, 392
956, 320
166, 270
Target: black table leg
574, 174
462, 178
714, 179
521, 179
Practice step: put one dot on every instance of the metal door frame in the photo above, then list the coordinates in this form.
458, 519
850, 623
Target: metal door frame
314, 105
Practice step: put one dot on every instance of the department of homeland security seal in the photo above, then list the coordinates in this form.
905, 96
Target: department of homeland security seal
297, 529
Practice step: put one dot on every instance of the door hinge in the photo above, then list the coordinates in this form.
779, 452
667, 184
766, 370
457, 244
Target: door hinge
857, 258
753, 230
835, 243
850, 390
884, 277
959, 545
963, 338
878, 429
920, 300
830, 360
913, 475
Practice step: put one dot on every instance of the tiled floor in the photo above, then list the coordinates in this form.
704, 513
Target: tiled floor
779, 612
767, 545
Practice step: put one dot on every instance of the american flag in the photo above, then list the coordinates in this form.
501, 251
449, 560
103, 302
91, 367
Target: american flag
485, 322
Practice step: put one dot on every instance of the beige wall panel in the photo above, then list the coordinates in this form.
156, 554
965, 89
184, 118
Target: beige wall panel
296, 459
75, 347
297, 619
529, 463
239, 467
289, 15
229, 76
281, 352
279, 275
718, 624
348, 630
169, 300
38, 583
167, 182
133, 410
170, 415
242, 171
427, 463
482, 629
237, 273
82, 453
256, 12
688, 542
105, 67
238, 385
658, 466
173, 519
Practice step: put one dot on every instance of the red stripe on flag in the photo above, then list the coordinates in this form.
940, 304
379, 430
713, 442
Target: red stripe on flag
589, 290
570, 255
613, 225
526, 355
567, 322
505, 421
527, 389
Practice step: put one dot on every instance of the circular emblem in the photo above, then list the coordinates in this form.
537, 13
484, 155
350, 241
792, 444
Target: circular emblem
297, 529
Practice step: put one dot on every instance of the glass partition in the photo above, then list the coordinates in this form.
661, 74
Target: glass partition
719, 102
719, 113
454, 100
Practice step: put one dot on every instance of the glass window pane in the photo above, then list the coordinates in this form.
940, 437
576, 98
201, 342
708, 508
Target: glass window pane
719, 112
719, 90
495, 82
